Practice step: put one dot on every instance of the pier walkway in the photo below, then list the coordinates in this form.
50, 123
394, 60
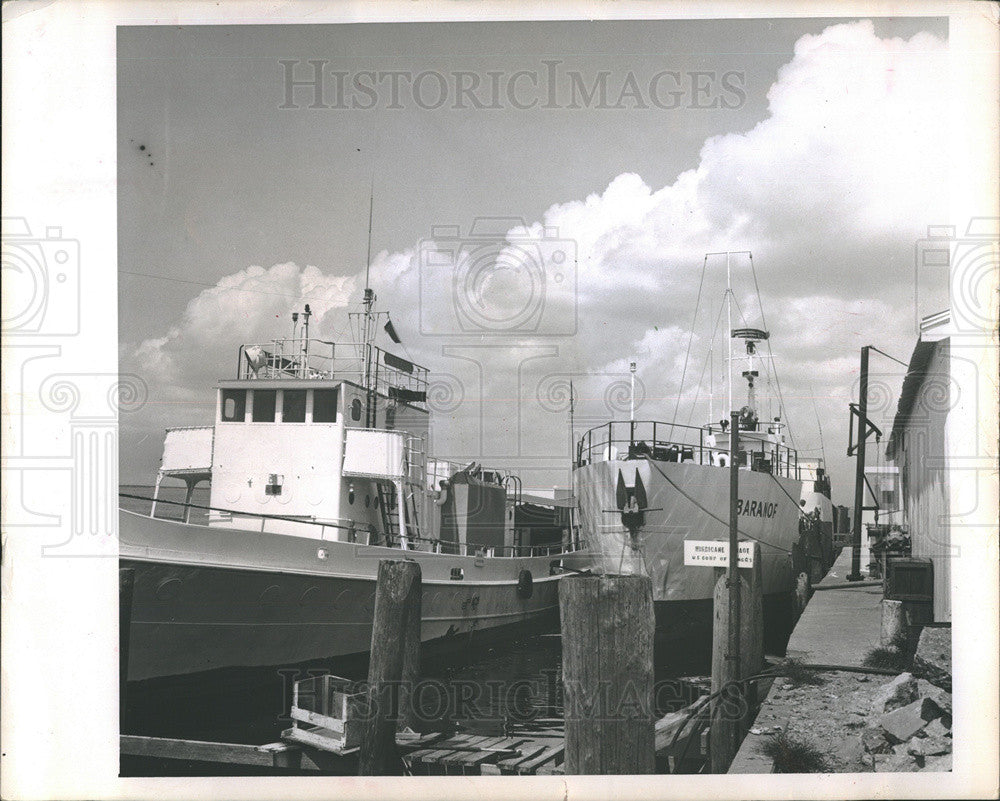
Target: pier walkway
840, 625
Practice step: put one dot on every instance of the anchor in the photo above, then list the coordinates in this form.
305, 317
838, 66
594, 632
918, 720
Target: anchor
632, 505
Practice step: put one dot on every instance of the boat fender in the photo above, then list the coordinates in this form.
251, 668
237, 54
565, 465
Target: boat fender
524, 584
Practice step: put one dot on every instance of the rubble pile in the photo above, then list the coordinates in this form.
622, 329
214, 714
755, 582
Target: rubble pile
909, 727
909, 724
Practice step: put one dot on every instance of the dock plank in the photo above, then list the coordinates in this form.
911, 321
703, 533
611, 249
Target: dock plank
554, 749
493, 749
270, 755
457, 755
528, 750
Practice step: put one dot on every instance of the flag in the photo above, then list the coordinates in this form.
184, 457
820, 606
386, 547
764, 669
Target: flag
391, 331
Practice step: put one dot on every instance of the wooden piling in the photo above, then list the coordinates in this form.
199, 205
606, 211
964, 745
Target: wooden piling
407, 718
731, 711
607, 646
727, 706
397, 604
126, 591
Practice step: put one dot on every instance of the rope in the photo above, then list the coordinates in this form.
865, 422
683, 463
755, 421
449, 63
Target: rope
888, 356
697, 305
798, 507
777, 382
712, 514
711, 350
819, 426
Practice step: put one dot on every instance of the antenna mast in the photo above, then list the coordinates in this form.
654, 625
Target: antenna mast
571, 411
369, 297
729, 325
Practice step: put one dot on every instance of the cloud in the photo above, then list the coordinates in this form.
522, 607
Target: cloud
831, 191
251, 305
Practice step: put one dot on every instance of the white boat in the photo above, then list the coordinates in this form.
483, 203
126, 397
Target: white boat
318, 470
645, 487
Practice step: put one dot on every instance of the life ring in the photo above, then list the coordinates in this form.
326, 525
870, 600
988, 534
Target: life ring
525, 586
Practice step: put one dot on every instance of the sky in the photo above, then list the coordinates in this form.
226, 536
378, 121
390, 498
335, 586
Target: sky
543, 199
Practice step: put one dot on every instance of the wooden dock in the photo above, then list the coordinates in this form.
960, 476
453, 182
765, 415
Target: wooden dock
680, 740
473, 755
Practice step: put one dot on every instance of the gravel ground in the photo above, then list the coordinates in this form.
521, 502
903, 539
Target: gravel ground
829, 716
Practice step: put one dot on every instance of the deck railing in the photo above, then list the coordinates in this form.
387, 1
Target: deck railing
363, 535
674, 442
322, 359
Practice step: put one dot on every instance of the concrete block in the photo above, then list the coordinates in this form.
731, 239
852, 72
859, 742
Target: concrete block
937, 728
933, 655
903, 723
928, 746
874, 740
895, 630
934, 646
897, 693
927, 690
895, 763
937, 764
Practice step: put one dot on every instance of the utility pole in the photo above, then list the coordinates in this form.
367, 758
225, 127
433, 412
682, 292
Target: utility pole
727, 666
859, 474
733, 576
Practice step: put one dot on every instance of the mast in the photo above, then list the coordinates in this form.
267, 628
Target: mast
729, 325
631, 410
369, 297
711, 386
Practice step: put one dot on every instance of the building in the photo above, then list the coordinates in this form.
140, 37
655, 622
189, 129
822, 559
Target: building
922, 429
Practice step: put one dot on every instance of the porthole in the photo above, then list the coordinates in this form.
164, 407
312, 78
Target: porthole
168, 589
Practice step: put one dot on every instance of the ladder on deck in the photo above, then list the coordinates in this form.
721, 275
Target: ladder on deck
388, 502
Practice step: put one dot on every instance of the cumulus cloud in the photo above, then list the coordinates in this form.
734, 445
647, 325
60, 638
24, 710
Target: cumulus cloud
830, 191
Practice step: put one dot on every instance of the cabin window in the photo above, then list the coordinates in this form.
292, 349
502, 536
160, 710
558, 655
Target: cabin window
234, 405
293, 408
265, 402
356, 409
325, 406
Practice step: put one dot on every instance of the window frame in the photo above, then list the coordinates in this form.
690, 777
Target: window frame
229, 394
305, 405
334, 406
274, 408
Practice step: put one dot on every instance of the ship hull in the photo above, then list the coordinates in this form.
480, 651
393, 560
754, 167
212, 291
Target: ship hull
688, 501
208, 599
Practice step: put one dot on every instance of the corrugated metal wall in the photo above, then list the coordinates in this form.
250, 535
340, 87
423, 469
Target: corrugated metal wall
924, 475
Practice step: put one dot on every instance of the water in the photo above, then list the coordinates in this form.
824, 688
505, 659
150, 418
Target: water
490, 688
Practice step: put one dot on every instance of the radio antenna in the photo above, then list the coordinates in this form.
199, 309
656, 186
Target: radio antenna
371, 206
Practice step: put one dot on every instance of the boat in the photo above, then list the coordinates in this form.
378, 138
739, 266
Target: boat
647, 487
317, 468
